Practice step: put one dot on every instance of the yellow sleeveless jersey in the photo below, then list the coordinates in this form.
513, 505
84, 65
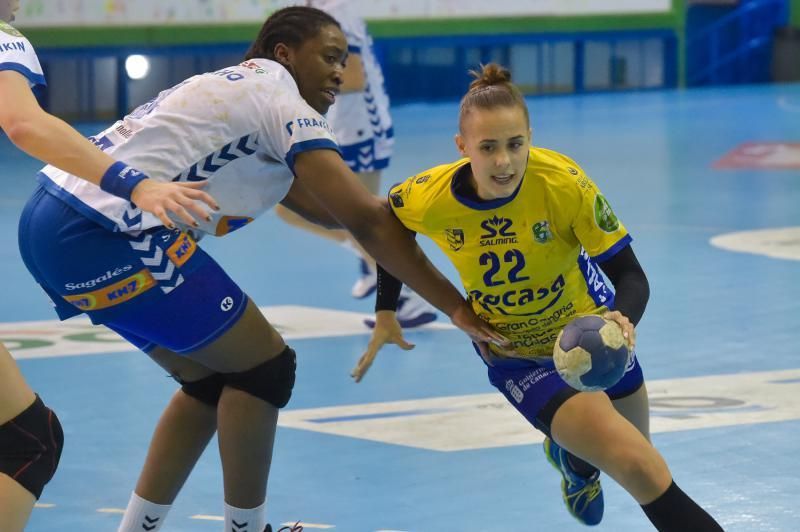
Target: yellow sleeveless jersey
527, 262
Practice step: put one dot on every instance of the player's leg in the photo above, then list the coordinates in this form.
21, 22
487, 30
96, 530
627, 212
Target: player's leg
588, 426
636, 409
259, 373
30, 445
629, 397
181, 435
537, 392
160, 286
16, 502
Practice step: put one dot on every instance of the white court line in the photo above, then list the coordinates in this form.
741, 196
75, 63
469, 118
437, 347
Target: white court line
203, 517
448, 423
308, 525
77, 336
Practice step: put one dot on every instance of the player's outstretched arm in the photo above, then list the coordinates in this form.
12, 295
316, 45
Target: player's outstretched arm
302, 203
330, 181
53, 141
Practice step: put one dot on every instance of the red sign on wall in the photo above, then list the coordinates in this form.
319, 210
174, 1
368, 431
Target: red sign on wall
762, 155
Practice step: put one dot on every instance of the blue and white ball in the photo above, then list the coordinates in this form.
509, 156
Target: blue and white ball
591, 354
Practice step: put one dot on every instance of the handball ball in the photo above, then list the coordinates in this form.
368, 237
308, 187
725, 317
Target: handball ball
590, 353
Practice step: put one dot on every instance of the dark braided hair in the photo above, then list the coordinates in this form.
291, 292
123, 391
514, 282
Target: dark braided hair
490, 88
291, 26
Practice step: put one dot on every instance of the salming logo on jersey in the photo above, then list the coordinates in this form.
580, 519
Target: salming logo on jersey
497, 231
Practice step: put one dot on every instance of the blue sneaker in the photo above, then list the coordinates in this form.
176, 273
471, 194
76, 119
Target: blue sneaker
583, 496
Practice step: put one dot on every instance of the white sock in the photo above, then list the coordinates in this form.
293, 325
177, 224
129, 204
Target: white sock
245, 520
143, 515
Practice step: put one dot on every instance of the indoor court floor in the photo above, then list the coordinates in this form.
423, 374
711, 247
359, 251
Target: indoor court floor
707, 182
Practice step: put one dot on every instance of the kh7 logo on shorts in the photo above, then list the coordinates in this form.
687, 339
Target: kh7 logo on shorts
114, 294
181, 250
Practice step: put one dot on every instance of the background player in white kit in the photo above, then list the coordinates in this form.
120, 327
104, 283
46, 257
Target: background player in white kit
255, 133
361, 120
31, 438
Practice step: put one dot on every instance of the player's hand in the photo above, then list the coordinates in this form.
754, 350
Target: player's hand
180, 199
387, 331
465, 319
628, 330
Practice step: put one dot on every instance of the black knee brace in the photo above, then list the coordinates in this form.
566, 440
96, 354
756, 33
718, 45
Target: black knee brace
271, 381
207, 390
30, 447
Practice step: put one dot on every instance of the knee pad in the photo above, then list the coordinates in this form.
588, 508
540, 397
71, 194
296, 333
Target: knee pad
207, 390
271, 381
30, 447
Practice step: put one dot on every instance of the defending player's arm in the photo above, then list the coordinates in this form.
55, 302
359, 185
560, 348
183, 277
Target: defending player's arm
301, 202
325, 175
53, 141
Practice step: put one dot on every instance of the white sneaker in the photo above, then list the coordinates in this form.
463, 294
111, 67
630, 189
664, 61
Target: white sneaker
412, 310
367, 283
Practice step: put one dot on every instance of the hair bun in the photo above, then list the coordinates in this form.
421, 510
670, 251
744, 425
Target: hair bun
491, 74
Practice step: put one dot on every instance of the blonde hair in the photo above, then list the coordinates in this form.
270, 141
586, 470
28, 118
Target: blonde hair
491, 88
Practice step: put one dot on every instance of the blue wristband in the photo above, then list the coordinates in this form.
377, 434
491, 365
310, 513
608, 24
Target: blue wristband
120, 180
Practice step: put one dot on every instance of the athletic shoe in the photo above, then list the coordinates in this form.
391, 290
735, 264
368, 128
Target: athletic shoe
367, 283
412, 311
583, 496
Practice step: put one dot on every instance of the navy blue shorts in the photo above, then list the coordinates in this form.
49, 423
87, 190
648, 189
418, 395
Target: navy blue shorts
154, 288
537, 391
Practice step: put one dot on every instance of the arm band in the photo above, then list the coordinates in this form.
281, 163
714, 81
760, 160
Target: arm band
388, 291
630, 284
120, 180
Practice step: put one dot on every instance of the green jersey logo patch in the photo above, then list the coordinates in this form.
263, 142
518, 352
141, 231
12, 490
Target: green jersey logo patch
604, 216
541, 232
7, 28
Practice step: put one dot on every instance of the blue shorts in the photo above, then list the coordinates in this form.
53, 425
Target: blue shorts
154, 288
537, 390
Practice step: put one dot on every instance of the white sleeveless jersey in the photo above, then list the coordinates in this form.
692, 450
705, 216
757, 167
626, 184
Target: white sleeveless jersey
357, 117
240, 128
17, 54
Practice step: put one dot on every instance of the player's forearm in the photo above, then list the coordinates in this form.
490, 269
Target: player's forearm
631, 287
394, 247
54, 142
